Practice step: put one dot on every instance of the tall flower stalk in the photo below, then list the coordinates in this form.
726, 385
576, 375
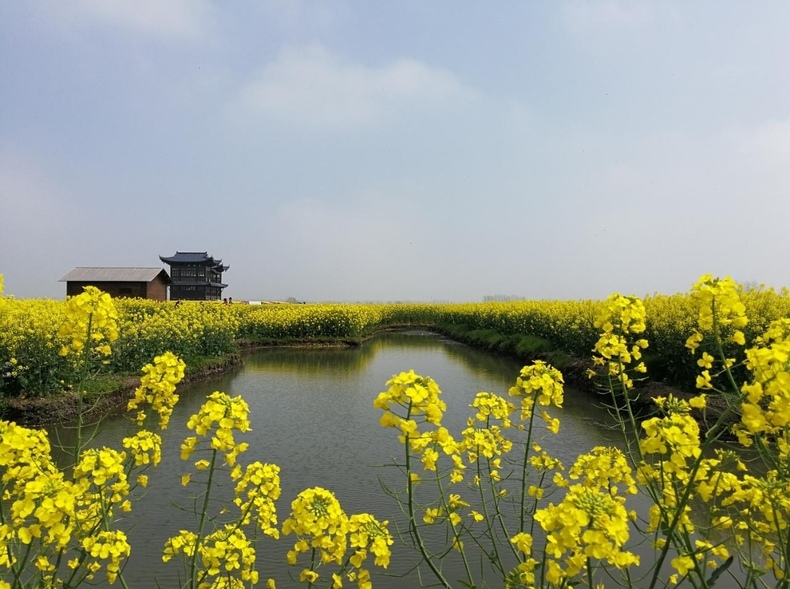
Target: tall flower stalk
90, 326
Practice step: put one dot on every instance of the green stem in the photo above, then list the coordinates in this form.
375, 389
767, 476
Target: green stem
81, 389
720, 348
535, 501
456, 534
193, 565
524, 465
413, 529
484, 507
631, 416
312, 566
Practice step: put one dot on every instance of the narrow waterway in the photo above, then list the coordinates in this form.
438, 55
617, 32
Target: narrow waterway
312, 414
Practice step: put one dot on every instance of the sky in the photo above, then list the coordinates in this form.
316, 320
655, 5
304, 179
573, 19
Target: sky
398, 151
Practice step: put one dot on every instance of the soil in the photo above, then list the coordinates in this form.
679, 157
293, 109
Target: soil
42, 411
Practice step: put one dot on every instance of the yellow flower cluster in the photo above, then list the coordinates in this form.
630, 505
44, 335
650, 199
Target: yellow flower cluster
318, 522
227, 414
621, 318
158, 387
675, 436
765, 410
90, 318
227, 557
604, 467
411, 401
721, 311
448, 512
107, 545
487, 438
102, 472
539, 382
321, 526
416, 395
257, 488
42, 501
589, 523
369, 534
47, 512
543, 462
523, 575
719, 301
146, 448
489, 406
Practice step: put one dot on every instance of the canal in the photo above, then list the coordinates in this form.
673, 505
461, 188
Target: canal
312, 413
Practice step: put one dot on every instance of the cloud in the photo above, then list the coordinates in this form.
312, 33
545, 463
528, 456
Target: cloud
182, 20
302, 14
769, 142
367, 230
310, 85
30, 202
367, 248
40, 231
592, 14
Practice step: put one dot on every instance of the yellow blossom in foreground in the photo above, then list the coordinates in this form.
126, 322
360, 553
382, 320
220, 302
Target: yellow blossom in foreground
257, 489
91, 318
587, 523
414, 395
538, 383
621, 318
108, 545
157, 387
227, 414
318, 522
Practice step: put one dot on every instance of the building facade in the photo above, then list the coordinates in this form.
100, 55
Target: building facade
142, 283
195, 276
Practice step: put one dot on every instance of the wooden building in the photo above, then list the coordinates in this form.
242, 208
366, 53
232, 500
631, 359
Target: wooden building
196, 276
143, 283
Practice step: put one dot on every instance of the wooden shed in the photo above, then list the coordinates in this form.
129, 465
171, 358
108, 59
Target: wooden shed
142, 283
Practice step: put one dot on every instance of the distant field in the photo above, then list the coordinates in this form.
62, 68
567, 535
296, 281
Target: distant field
32, 364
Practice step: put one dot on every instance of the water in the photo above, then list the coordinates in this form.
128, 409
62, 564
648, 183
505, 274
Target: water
311, 413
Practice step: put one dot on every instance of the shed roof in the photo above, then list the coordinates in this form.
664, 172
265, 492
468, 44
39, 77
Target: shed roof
83, 274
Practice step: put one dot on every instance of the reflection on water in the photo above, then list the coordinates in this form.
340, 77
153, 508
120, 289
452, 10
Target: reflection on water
312, 414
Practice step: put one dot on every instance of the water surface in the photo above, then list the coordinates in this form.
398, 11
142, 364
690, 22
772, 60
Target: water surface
312, 413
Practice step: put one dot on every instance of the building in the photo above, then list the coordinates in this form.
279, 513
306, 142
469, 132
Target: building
143, 283
196, 276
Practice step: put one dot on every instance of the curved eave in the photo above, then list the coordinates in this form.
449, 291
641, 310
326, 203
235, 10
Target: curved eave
196, 283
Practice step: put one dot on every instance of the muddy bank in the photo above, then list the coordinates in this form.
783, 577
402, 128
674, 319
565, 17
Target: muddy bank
42, 411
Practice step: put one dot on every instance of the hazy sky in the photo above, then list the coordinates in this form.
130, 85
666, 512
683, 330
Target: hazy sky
399, 150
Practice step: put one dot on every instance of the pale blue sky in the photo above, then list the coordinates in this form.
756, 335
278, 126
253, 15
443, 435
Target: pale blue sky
403, 150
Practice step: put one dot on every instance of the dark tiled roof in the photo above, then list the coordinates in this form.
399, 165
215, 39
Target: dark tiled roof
191, 258
115, 275
198, 283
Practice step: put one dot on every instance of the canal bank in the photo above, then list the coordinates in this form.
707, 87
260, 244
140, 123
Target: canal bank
31, 410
